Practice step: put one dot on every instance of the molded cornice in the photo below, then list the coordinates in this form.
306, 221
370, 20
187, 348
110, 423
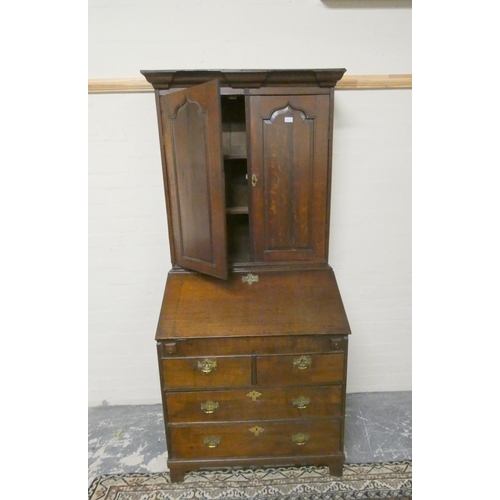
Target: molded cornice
348, 82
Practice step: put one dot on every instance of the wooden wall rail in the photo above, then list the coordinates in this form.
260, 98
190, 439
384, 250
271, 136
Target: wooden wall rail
348, 82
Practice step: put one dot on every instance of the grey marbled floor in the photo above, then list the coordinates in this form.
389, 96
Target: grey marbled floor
132, 438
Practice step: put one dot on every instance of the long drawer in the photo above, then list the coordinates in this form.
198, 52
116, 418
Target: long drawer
253, 439
254, 404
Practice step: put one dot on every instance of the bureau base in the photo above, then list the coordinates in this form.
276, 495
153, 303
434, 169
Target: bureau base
253, 375
180, 467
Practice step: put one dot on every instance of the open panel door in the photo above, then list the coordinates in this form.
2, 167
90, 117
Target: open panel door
194, 178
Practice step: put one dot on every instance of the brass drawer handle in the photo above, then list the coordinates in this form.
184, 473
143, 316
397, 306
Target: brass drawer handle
302, 362
210, 406
301, 402
300, 438
212, 441
207, 365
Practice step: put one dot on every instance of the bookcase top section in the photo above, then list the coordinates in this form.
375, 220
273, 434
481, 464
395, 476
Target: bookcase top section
165, 79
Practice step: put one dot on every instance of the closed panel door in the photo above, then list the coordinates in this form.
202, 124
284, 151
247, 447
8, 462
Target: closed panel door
290, 176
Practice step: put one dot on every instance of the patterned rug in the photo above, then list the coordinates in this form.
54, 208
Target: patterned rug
360, 481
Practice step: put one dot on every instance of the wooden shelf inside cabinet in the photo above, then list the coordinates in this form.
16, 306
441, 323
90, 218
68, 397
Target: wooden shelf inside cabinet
237, 210
242, 156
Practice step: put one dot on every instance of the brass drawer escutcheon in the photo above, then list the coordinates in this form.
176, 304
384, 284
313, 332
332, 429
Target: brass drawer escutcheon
210, 406
212, 441
254, 395
300, 438
256, 430
207, 365
302, 362
250, 279
301, 402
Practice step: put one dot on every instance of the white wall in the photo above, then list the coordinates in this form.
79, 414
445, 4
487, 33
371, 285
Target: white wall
371, 208
370, 246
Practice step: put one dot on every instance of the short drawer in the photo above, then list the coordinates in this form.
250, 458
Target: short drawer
300, 369
193, 373
253, 404
262, 439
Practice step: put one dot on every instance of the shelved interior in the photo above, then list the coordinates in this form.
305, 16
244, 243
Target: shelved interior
234, 144
238, 238
234, 141
236, 176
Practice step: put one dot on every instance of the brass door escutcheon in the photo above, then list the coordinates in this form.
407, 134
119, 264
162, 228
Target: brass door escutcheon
302, 362
254, 395
210, 406
300, 438
250, 279
254, 180
301, 402
207, 365
212, 441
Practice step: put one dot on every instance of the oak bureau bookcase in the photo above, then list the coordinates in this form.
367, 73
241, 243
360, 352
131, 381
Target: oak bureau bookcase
252, 335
